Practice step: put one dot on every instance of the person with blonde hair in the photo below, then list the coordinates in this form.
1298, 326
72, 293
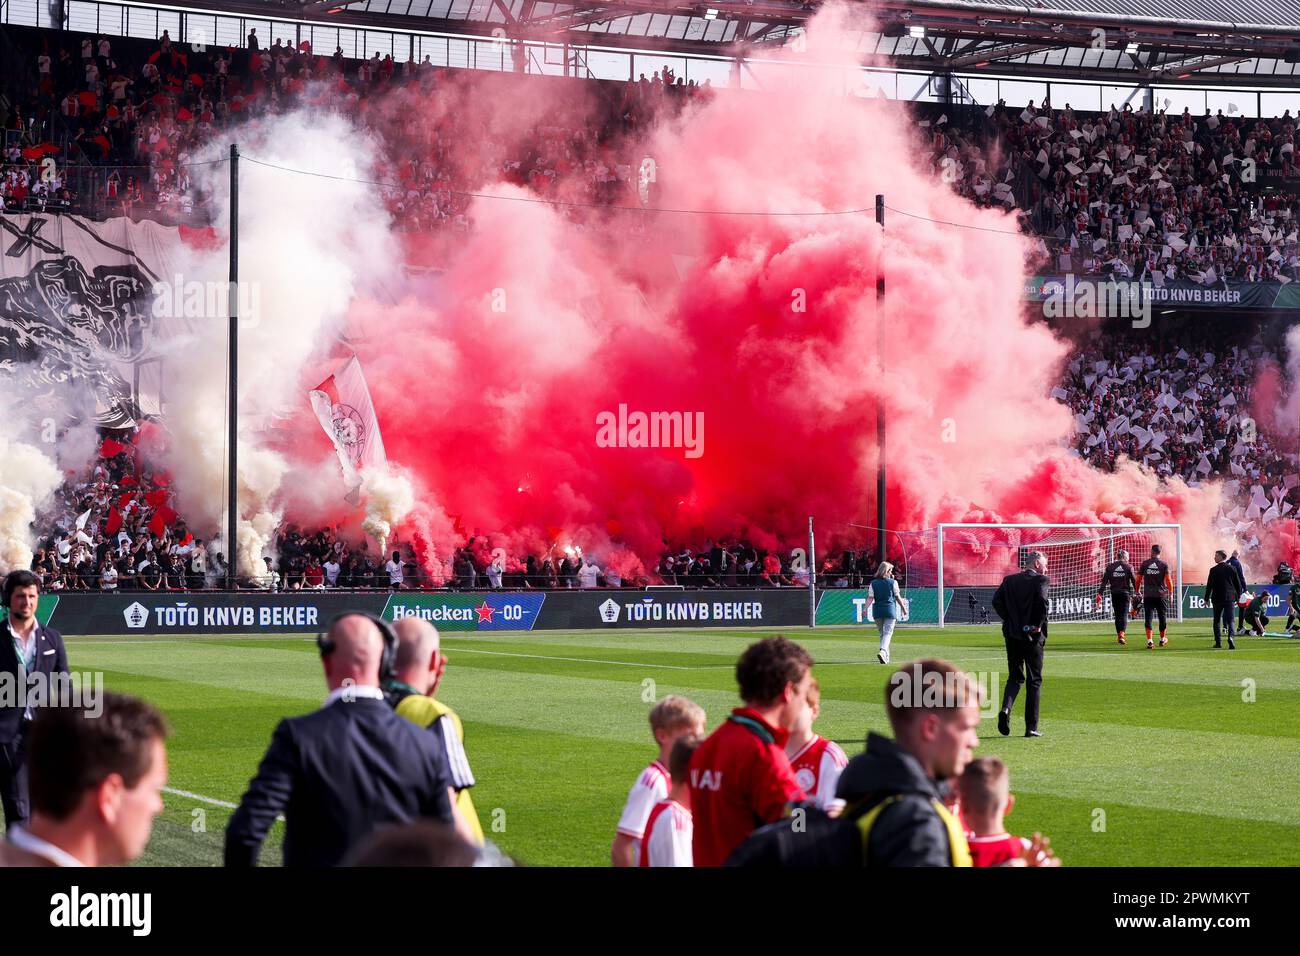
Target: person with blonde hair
672, 718
887, 602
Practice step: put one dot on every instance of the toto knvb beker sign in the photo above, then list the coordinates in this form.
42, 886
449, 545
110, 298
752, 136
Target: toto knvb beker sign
621, 609
200, 613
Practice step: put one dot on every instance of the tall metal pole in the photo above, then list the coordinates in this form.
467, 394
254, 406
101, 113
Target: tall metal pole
812, 576
232, 423
880, 401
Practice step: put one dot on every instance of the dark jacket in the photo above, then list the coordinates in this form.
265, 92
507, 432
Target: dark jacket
336, 774
1241, 575
908, 832
51, 658
1221, 588
1021, 600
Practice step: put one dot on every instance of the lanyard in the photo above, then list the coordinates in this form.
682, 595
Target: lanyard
23, 662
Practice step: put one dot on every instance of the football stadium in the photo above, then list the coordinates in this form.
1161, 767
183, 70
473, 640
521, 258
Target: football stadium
648, 433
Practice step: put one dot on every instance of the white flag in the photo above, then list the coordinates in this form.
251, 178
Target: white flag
347, 416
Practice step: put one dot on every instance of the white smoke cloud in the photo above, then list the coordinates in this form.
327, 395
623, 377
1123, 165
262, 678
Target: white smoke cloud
307, 246
1289, 413
28, 477
389, 497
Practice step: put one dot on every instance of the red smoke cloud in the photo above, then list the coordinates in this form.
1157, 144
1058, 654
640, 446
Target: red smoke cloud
490, 374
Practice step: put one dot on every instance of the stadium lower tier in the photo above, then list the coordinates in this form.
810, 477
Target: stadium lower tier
242, 612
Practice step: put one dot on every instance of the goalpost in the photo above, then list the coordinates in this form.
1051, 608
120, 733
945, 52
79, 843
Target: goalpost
972, 559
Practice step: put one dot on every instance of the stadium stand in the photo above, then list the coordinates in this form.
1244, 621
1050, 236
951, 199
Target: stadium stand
109, 126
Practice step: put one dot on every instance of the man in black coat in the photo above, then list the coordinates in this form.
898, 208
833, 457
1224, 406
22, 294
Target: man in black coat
344, 770
42, 652
1221, 591
1022, 602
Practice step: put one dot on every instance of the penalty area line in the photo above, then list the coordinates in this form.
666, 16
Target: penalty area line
212, 800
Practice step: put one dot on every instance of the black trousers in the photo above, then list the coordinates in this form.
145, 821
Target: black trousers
1025, 663
13, 778
1155, 604
1120, 602
1222, 612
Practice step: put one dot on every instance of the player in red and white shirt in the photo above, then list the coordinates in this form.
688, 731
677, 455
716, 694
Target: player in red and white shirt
670, 829
670, 719
985, 788
816, 761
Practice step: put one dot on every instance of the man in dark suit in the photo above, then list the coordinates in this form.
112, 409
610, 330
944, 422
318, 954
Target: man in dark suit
1221, 591
27, 649
1022, 602
344, 770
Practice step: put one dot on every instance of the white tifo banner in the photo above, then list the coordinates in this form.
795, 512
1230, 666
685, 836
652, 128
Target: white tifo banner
347, 416
77, 305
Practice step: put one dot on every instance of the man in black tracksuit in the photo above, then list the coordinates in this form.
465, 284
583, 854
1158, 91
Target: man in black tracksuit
1221, 592
1022, 602
1155, 585
1118, 576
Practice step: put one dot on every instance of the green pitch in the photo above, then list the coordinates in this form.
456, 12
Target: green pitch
1173, 757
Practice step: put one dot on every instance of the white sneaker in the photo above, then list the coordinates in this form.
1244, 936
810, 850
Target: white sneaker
882, 655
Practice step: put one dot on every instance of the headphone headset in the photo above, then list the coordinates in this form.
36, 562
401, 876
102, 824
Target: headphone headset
11, 585
387, 661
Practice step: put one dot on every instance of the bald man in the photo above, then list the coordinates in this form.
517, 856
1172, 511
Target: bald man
417, 672
342, 771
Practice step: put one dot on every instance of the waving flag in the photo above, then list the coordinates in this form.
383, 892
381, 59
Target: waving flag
347, 416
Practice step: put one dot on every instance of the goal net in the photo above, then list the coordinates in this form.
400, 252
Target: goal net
970, 561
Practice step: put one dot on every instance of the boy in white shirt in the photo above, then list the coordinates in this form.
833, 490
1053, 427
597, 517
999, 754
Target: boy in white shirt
668, 832
672, 718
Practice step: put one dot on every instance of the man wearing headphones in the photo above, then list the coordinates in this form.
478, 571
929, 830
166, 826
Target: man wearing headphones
346, 769
27, 648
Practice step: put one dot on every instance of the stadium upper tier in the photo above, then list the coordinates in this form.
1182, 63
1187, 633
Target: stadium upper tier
1187, 44
122, 119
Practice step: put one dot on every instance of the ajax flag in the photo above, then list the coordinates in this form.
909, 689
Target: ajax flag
344, 410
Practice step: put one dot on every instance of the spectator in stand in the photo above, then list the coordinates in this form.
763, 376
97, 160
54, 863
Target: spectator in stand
588, 573
314, 575
394, 571
331, 568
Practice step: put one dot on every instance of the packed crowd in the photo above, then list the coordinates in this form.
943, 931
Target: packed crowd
1136, 194
114, 528
1184, 409
1127, 193
128, 116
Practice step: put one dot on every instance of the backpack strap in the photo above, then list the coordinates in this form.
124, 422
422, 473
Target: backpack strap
958, 848
754, 727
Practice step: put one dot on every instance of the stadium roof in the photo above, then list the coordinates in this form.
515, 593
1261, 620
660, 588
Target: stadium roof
1139, 42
